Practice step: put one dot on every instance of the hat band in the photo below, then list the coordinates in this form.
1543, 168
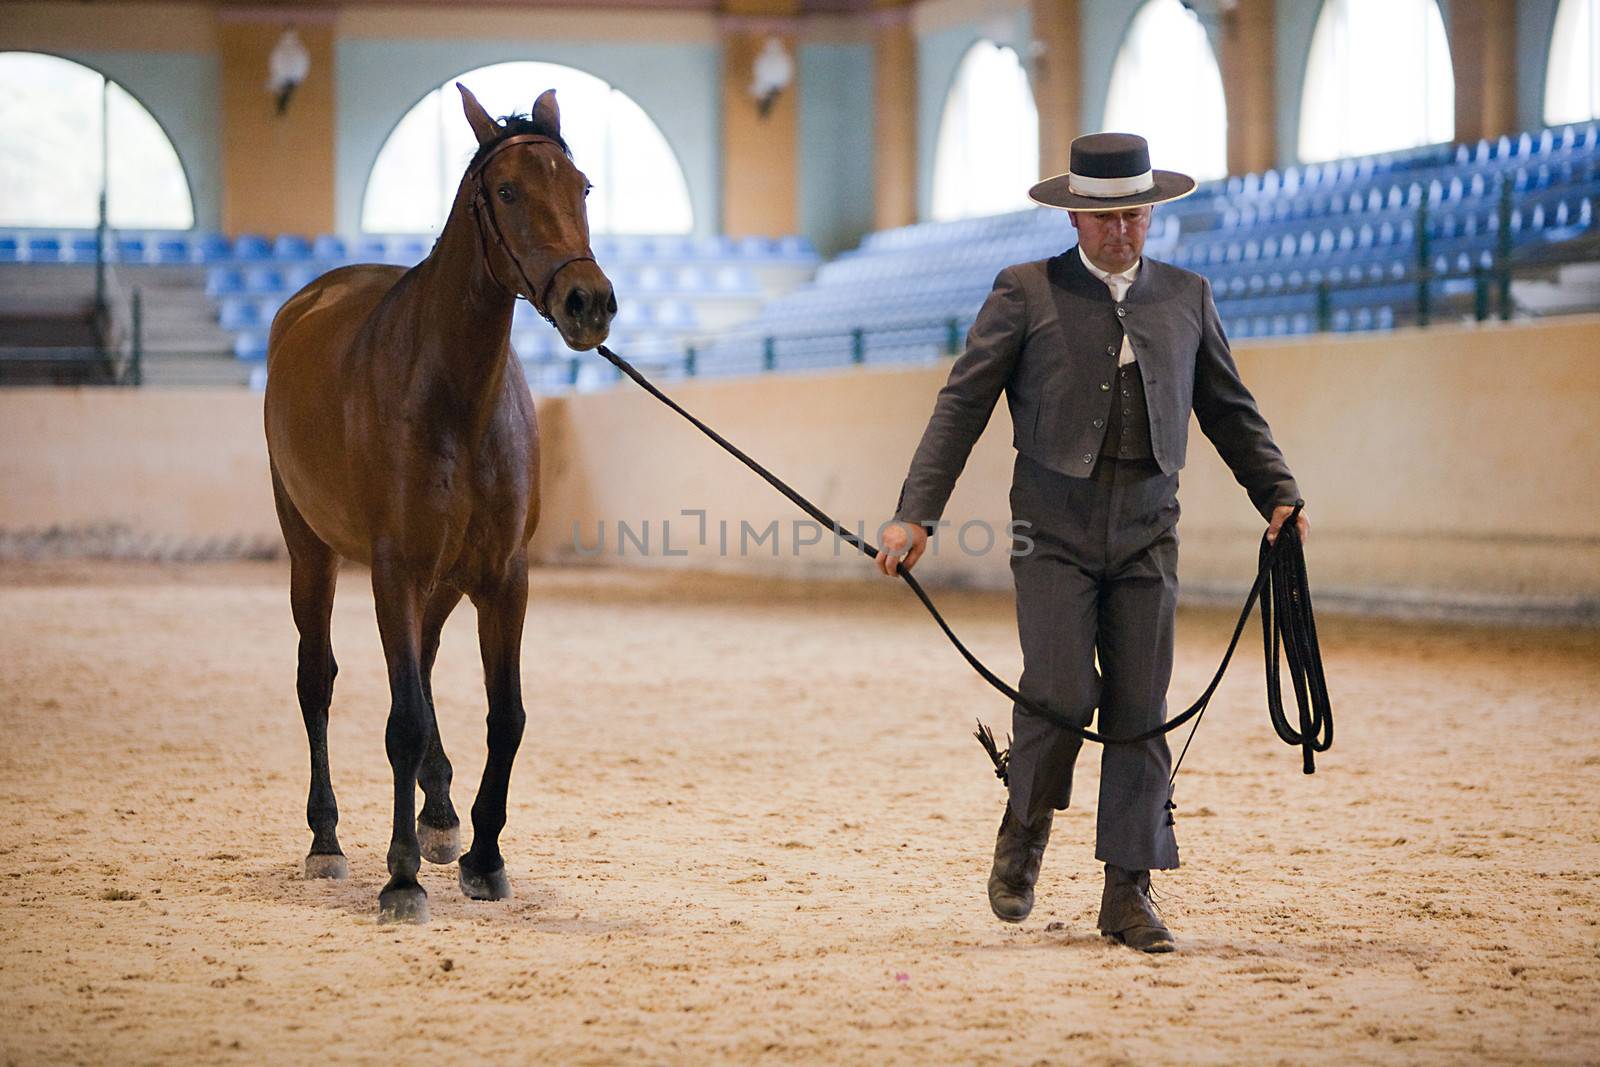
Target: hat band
1108, 188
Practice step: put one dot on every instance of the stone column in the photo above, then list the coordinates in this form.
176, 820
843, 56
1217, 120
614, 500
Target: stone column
277, 170
760, 191
1249, 70
894, 80
1057, 83
1483, 50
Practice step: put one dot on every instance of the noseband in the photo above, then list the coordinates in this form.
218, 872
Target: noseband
538, 295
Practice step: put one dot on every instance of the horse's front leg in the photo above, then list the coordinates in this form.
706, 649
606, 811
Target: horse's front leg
500, 617
398, 592
438, 828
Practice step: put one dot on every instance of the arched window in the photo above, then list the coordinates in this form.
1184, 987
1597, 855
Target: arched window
1378, 79
63, 128
638, 184
987, 155
1572, 83
1165, 86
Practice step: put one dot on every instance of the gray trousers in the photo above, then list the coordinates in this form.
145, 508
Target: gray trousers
1101, 580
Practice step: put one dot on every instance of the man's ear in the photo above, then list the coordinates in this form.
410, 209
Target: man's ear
486, 128
1073, 215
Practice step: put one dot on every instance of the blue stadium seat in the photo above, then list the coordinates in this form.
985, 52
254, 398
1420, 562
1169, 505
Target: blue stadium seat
239, 313
367, 250
173, 248
290, 248
212, 248
43, 249
675, 314
267, 307
80, 248
714, 247
250, 346
251, 248
731, 279
10, 249
754, 247
263, 280
300, 275
224, 281
328, 248
632, 314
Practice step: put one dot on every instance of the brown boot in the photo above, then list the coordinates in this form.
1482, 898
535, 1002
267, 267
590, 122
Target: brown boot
1128, 916
1018, 851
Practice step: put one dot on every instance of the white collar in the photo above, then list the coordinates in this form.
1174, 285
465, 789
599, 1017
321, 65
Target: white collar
1130, 275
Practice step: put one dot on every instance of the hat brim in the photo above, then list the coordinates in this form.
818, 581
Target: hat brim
1055, 192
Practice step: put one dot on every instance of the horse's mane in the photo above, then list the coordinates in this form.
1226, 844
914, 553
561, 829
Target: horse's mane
510, 126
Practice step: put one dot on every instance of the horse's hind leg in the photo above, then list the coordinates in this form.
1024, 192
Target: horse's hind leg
500, 619
438, 827
313, 574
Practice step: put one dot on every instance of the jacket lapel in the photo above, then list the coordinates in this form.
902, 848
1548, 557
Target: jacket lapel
1070, 282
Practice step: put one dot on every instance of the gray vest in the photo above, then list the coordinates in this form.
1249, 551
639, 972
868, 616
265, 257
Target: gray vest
1128, 424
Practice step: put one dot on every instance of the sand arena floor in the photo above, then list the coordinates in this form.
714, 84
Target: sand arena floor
742, 833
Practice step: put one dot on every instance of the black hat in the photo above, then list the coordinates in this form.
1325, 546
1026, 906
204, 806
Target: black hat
1110, 172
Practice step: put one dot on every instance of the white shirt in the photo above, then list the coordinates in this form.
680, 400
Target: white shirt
1118, 284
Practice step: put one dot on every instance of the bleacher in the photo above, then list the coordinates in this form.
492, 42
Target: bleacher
1356, 244
1338, 246
671, 289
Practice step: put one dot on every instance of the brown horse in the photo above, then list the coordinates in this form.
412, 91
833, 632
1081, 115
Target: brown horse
401, 434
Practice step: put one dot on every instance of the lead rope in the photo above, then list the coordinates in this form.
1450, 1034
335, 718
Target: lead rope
1280, 586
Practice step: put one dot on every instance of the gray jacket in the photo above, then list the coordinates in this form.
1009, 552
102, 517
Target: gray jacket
1048, 335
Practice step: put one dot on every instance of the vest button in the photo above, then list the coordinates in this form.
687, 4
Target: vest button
1111, 350
1099, 423
1122, 312
1105, 387
1088, 457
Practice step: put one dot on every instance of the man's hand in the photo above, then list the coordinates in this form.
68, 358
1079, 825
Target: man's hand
1280, 514
896, 538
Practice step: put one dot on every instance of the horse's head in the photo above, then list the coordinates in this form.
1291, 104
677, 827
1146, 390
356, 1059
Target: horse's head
529, 198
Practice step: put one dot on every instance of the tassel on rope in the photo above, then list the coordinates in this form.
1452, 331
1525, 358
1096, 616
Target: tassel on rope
1002, 760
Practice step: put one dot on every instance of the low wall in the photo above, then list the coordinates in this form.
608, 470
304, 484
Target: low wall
148, 474
1446, 471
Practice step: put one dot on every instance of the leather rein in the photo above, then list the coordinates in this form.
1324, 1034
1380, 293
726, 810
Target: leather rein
1288, 627
538, 295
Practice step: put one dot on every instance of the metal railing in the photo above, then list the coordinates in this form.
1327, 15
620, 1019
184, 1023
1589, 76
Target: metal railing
1491, 289
120, 311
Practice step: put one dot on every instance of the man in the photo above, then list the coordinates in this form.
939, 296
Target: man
1102, 355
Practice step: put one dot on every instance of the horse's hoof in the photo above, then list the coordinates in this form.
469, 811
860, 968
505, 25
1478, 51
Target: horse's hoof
439, 845
327, 865
408, 904
491, 886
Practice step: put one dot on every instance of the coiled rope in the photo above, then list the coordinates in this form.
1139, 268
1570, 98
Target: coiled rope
1281, 587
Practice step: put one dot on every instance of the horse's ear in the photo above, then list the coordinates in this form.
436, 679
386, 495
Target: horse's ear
546, 115
486, 128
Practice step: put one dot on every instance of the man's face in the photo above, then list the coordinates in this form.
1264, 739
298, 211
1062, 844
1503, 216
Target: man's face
1113, 240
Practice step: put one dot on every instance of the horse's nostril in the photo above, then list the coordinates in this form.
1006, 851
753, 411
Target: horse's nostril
611, 302
577, 302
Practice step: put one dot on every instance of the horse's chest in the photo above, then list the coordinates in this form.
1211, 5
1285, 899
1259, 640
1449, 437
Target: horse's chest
468, 500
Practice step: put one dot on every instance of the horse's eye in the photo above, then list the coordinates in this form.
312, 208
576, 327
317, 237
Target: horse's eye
506, 193
587, 189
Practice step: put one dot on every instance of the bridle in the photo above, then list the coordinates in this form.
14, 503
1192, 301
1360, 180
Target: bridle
538, 295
